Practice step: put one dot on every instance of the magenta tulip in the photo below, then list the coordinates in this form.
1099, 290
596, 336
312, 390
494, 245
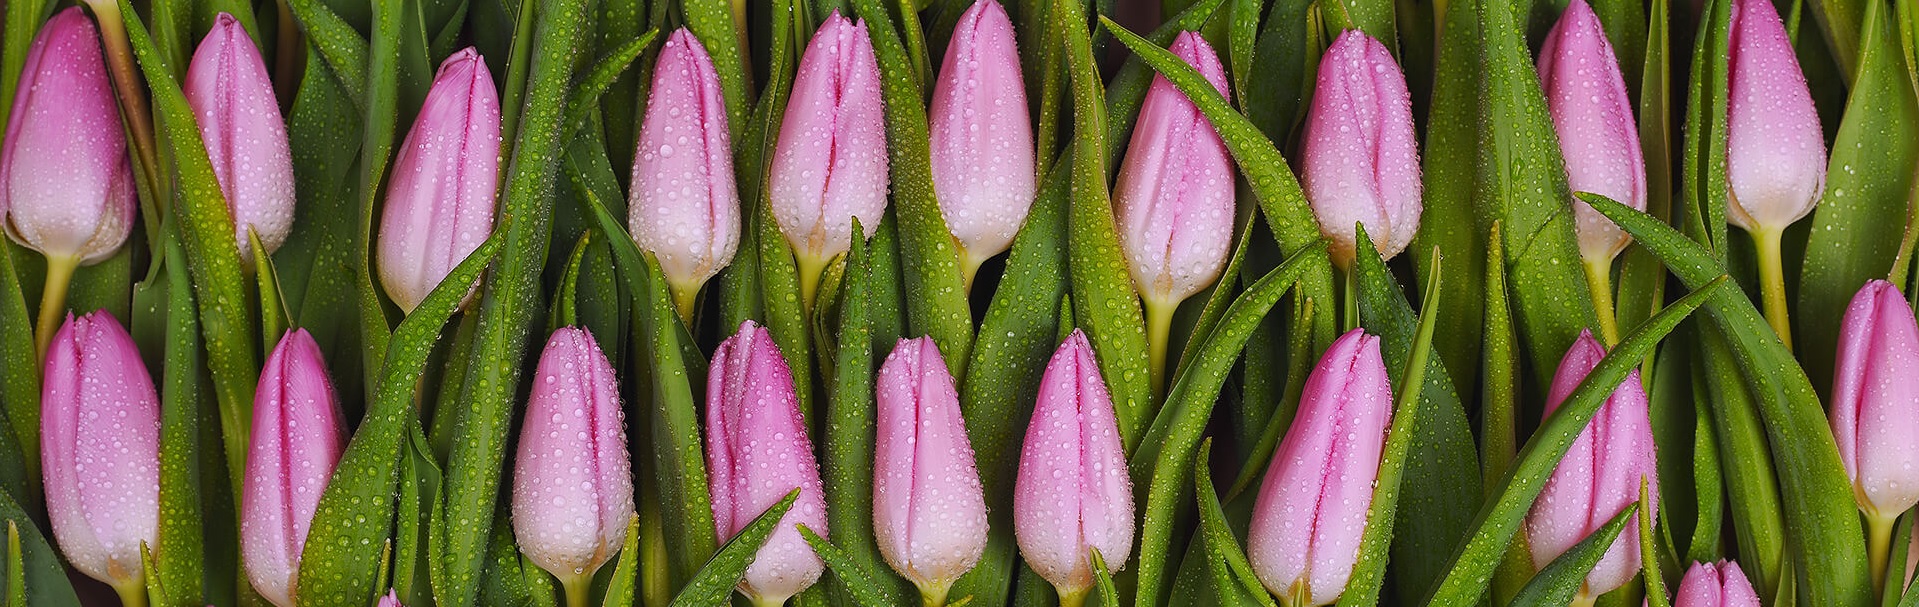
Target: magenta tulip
1359, 160
100, 448
1072, 493
1875, 402
1592, 113
572, 480
297, 438
685, 208
232, 97
392, 599
1776, 153
982, 136
757, 451
1716, 585
929, 513
1600, 475
1174, 197
440, 199
1312, 507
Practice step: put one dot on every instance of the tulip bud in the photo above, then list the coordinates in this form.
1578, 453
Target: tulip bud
296, 441
1592, 114
1716, 585
1072, 493
928, 510
1174, 197
232, 97
1312, 507
1600, 475
757, 451
1775, 151
830, 163
100, 447
685, 209
1875, 404
66, 182
1359, 161
572, 481
392, 599
982, 137
440, 198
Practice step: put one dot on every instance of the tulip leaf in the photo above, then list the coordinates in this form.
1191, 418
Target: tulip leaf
1649, 556
1752, 486
336, 42
273, 307
1560, 580
585, 98
622, 586
44, 573
1450, 173
1103, 578
356, 510
1126, 92
1500, 517
318, 268
1232, 573
23, 20
181, 535
19, 379
1499, 396
1706, 476
420, 497
1821, 522
712, 21
1840, 21
1642, 280
857, 579
1163, 462
16, 567
1300, 356
717, 578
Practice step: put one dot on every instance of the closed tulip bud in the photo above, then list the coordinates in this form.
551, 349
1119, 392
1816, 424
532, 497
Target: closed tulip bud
440, 199
1174, 197
982, 137
232, 97
685, 209
1312, 507
572, 480
1875, 404
1359, 162
66, 182
296, 441
1592, 113
100, 448
392, 599
928, 510
1600, 475
757, 451
1716, 585
1776, 153
830, 163
1072, 493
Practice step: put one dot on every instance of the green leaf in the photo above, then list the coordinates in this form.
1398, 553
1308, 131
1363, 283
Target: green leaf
44, 574
857, 579
181, 480
1560, 580
23, 20
16, 567
1642, 280
622, 587
1232, 573
584, 100
1840, 20
1752, 487
1649, 556
712, 22
335, 41
317, 266
1108, 593
716, 580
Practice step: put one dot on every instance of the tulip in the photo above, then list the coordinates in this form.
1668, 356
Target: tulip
440, 199
66, 182
1312, 507
296, 441
1875, 408
1775, 150
1359, 159
757, 451
929, 513
232, 96
830, 163
572, 481
685, 209
1716, 585
100, 444
392, 599
982, 137
1600, 475
1072, 493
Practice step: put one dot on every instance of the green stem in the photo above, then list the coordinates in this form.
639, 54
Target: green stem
766, 601
969, 269
810, 269
1349, 299
1772, 282
1159, 331
133, 593
1073, 598
934, 594
684, 298
1599, 282
1584, 599
53, 300
577, 588
1878, 546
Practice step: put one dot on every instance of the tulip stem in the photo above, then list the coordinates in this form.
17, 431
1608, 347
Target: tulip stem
1349, 301
934, 594
685, 296
577, 587
810, 269
132, 593
1599, 281
1073, 598
1878, 546
1584, 599
53, 300
1159, 331
1772, 282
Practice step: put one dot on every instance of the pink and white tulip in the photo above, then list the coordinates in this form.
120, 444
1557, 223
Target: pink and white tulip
572, 479
1875, 402
1072, 493
231, 95
1359, 160
445, 180
929, 512
685, 206
1719, 584
1592, 114
392, 599
100, 449
982, 137
1174, 196
297, 439
1776, 152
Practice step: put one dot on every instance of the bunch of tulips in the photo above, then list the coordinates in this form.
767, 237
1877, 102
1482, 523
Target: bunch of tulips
959, 302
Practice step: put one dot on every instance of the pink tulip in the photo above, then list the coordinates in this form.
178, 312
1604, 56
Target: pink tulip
1592, 113
232, 97
830, 163
66, 182
1600, 475
757, 451
440, 200
1359, 161
1072, 493
572, 481
1312, 507
982, 137
1776, 153
1875, 402
1716, 585
297, 439
1174, 197
100, 445
685, 209
392, 599
929, 513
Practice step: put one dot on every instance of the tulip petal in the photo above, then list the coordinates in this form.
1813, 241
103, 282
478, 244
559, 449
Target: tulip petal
685, 206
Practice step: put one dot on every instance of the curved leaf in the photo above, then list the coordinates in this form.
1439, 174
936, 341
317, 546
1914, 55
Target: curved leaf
716, 580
